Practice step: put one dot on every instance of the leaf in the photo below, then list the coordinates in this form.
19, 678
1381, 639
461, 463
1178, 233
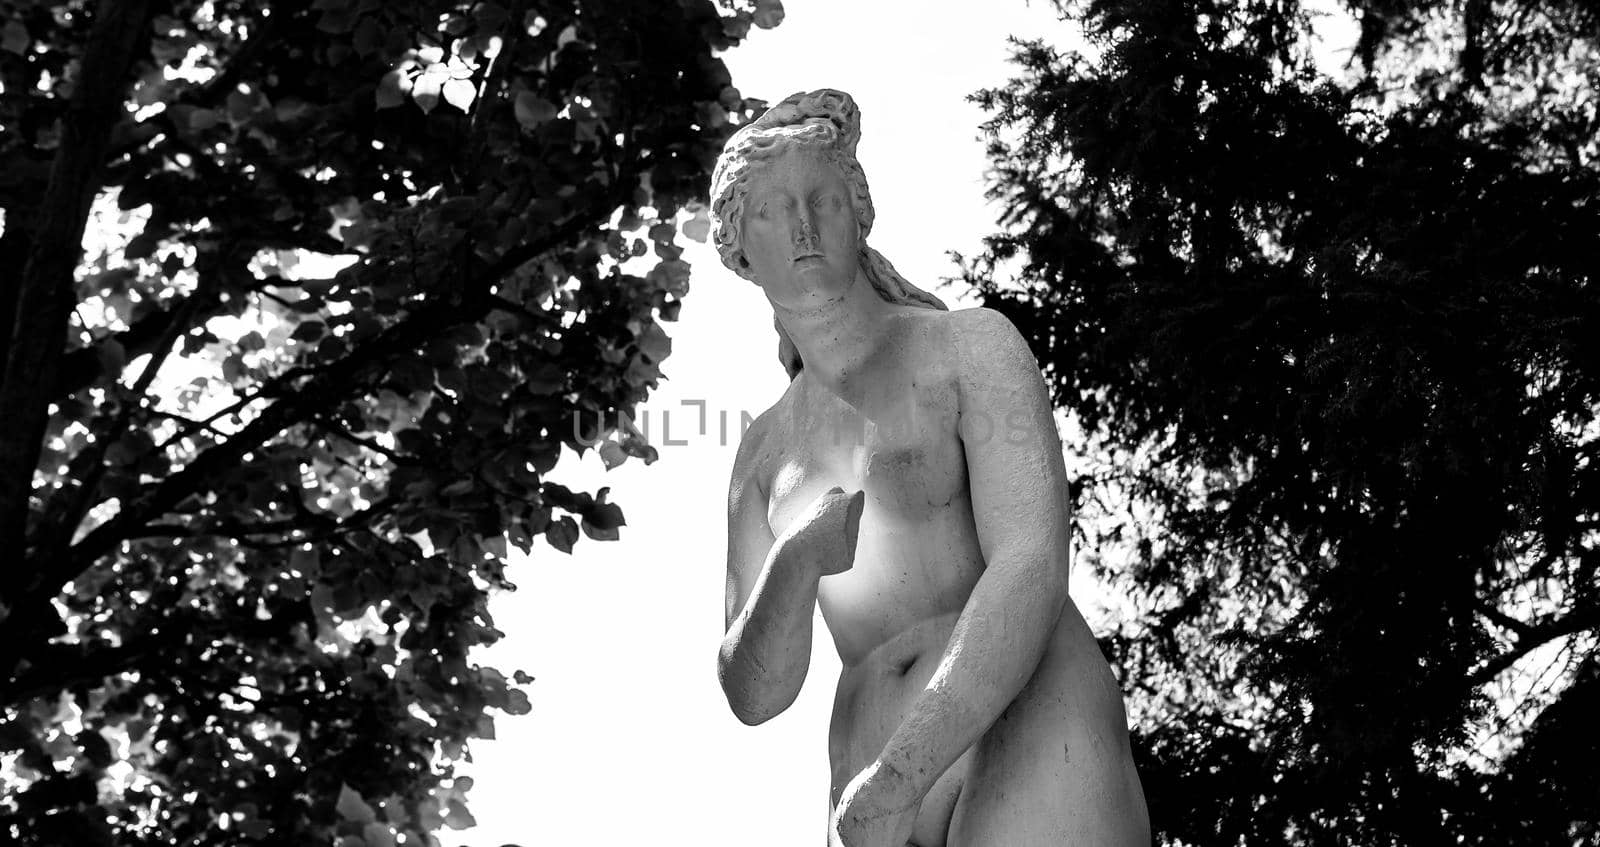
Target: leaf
306, 560
390, 93
562, 534
604, 517
654, 342
491, 17
335, 21
768, 14
599, 533
698, 227
241, 106
96, 749
426, 92
322, 605
670, 275
332, 347
352, 807
289, 110
113, 358
143, 245
457, 816
251, 341
233, 368
14, 38
377, 835
532, 110
368, 38
201, 120
459, 93
612, 454
517, 701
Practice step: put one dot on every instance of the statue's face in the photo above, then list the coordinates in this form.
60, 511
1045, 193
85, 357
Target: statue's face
800, 234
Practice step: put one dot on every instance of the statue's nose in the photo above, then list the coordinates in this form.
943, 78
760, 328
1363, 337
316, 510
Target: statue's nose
804, 233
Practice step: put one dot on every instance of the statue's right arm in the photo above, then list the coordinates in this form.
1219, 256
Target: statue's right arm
771, 593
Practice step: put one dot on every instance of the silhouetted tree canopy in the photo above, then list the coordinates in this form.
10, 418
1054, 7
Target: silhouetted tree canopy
1334, 342
298, 304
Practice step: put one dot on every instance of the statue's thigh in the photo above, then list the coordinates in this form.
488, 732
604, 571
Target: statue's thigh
1025, 784
938, 806
1040, 786
1008, 800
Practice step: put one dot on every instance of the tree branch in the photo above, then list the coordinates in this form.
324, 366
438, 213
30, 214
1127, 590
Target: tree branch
322, 391
240, 532
81, 367
61, 517
1536, 636
326, 387
63, 666
1522, 628
67, 666
334, 427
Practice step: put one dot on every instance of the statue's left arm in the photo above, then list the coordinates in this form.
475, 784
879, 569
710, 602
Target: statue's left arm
1022, 508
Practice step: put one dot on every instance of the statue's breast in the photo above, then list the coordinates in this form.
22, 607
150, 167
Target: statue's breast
904, 454
917, 555
910, 470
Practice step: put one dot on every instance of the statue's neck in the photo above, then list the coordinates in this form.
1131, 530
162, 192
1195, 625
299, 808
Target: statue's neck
838, 339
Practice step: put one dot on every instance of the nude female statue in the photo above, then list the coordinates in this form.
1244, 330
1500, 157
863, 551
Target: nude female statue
910, 481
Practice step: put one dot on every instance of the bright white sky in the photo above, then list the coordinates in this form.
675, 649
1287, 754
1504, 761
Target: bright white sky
630, 740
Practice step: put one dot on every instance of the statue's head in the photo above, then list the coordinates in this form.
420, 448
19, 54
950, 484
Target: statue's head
813, 135
823, 125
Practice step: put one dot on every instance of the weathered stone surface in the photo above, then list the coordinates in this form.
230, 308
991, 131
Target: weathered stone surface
910, 482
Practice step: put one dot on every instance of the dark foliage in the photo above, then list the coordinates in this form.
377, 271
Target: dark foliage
251, 513
1334, 342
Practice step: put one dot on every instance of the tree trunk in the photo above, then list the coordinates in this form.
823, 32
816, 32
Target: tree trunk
44, 295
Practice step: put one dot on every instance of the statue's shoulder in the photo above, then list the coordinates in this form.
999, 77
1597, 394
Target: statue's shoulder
988, 345
980, 323
752, 454
955, 339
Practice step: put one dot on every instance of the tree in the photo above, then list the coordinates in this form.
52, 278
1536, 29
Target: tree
252, 510
1334, 344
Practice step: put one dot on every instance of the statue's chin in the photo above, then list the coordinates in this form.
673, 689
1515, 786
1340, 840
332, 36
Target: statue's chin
809, 284
819, 273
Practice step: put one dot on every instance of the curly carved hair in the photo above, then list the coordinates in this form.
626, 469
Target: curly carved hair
825, 120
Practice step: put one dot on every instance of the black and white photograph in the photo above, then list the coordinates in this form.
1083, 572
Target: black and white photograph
799, 423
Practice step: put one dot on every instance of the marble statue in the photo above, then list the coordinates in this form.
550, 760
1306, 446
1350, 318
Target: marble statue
910, 481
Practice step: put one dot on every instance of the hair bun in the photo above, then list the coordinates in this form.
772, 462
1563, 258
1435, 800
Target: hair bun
803, 108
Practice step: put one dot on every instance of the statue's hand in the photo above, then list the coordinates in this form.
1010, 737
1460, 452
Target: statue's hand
875, 810
825, 533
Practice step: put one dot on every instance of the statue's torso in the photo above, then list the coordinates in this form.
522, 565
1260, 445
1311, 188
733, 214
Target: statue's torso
917, 556
917, 560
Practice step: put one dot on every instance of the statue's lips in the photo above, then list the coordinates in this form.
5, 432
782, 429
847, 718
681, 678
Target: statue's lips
809, 257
